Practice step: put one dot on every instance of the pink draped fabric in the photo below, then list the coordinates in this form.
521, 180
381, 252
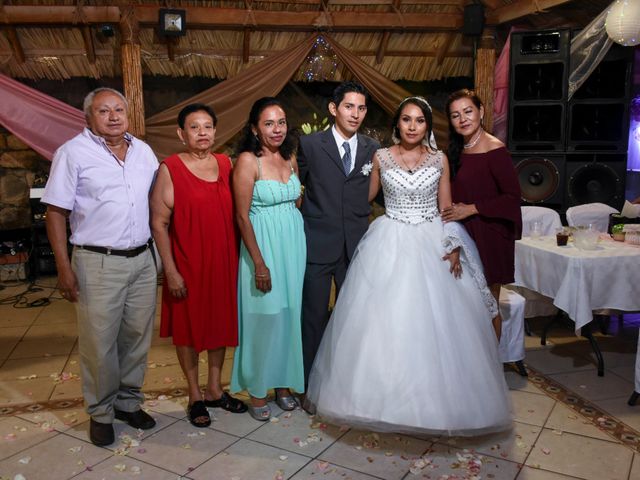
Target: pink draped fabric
40, 121
501, 93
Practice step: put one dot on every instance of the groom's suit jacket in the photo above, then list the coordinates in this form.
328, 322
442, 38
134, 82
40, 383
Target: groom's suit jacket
335, 205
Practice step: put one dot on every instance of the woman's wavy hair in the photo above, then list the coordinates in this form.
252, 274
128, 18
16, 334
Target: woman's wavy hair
456, 141
251, 143
423, 105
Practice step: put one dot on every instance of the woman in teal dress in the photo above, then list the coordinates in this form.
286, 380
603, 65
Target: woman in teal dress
272, 261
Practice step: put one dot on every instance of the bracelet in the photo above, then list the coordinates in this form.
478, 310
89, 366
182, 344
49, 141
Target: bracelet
263, 275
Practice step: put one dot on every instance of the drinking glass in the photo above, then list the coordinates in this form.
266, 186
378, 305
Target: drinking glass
536, 229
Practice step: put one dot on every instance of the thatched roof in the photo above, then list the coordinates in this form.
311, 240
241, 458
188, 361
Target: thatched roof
403, 39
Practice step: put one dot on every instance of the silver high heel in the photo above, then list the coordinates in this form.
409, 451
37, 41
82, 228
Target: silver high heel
262, 414
286, 402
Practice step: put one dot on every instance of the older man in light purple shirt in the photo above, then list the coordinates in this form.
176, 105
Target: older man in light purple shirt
100, 180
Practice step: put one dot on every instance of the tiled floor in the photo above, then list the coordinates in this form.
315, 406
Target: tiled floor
569, 423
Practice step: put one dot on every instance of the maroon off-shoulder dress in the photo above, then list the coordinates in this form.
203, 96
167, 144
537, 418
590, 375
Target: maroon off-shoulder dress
489, 180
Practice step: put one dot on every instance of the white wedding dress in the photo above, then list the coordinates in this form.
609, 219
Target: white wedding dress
409, 348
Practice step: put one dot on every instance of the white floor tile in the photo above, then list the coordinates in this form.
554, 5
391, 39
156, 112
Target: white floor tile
297, 432
58, 458
247, 460
383, 455
583, 457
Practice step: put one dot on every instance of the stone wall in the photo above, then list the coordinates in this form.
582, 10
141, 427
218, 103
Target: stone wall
20, 167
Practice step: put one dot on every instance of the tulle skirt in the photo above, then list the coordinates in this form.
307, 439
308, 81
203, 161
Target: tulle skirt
409, 348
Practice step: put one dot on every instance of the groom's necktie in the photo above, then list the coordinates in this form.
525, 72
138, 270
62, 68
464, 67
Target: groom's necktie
346, 158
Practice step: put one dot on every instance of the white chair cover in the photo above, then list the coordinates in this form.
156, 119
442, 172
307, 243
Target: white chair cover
596, 214
512, 308
550, 220
538, 305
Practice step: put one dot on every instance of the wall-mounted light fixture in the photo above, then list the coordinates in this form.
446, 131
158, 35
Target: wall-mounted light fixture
172, 22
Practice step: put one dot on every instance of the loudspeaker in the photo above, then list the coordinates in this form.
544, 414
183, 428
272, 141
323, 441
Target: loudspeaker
541, 179
599, 109
596, 177
538, 90
473, 19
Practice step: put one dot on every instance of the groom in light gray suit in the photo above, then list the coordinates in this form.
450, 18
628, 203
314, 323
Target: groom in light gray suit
334, 168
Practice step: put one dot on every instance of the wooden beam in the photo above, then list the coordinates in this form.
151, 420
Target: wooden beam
233, 18
246, 45
16, 47
47, 15
131, 62
89, 48
382, 48
236, 18
485, 65
520, 9
492, 4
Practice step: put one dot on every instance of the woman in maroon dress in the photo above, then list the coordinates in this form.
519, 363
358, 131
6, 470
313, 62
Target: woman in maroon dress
192, 224
485, 190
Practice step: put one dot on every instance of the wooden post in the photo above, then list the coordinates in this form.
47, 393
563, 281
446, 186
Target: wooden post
132, 70
485, 63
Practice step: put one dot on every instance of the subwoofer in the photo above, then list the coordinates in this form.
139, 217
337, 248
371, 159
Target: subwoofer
596, 178
541, 179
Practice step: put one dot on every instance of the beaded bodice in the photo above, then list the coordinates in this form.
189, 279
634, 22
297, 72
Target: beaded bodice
410, 197
272, 196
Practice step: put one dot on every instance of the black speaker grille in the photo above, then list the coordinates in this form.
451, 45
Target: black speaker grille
539, 179
595, 182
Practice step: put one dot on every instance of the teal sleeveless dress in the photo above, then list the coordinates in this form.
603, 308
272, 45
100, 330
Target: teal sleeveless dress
269, 354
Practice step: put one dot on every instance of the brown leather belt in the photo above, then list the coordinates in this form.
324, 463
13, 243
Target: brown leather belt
134, 252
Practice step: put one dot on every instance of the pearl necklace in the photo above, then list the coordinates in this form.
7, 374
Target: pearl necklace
473, 142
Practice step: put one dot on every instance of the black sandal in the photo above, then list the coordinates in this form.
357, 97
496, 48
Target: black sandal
198, 410
228, 403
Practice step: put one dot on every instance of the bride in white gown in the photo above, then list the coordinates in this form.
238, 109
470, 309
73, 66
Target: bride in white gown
410, 346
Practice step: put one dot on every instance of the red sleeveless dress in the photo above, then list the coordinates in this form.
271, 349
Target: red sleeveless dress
204, 244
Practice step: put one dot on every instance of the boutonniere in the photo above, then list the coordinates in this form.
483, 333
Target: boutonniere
366, 169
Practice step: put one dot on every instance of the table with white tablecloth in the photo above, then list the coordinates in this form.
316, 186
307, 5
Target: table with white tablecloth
581, 281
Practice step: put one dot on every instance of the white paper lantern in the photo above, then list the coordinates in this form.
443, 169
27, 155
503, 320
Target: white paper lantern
623, 22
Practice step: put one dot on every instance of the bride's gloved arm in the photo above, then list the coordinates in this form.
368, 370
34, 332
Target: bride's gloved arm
374, 182
244, 176
452, 247
444, 186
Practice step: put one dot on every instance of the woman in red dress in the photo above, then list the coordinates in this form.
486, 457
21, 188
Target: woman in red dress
485, 191
192, 224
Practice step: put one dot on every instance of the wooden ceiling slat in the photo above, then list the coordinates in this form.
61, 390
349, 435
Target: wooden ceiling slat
382, 48
16, 47
520, 9
461, 52
89, 48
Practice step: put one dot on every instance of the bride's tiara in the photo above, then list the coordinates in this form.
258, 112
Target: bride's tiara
418, 99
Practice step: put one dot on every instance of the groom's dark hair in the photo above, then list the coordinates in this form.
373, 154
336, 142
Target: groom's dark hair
347, 87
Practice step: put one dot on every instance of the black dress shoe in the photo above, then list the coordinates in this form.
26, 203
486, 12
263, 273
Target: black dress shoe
138, 419
101, 434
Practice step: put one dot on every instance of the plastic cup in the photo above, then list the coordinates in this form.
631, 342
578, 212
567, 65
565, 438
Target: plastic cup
562, 237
